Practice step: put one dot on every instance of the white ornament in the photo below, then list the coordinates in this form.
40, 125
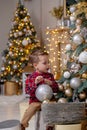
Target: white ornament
25, 30
72, 9
66, 74
15, 67
25, 19
25, 42
20, 33
75, 82
83, 57
15, 35
44, 92
10, 53
10, 44
77, 39
72, 18
68, 47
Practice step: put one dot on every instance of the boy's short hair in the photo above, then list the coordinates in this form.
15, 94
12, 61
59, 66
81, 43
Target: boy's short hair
34, 56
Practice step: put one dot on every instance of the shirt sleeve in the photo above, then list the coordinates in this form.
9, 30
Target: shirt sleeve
30, 86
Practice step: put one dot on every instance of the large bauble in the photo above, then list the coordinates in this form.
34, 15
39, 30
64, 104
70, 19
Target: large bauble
44, 92
75, 82
83, 57
77, 39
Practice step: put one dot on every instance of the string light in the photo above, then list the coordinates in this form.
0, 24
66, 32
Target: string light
55, 38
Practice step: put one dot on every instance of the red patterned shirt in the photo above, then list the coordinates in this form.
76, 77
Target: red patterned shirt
31, 86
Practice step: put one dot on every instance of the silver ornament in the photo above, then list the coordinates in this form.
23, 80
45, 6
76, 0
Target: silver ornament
72, 9
66, 74
83, 57
75, 82
15, 67
44, 92
72, 18
25, 42
77, 39
68, 47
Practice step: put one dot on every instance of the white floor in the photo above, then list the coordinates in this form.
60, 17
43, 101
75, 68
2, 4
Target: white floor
10, 109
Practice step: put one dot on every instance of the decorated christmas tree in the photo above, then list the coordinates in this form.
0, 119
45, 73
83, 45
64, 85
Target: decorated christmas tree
73, 82
22, 39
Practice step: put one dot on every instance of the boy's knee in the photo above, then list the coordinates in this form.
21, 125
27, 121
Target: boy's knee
37, 105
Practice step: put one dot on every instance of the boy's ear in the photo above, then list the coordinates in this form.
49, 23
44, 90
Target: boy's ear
35, 65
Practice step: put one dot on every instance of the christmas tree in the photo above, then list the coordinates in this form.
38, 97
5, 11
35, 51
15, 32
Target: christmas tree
22, 39
73, 82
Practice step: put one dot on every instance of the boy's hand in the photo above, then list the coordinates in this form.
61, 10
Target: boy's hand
47, 81
38, 79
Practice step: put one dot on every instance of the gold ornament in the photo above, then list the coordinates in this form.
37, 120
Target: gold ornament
68, 92
61, 87
22, 59
82, 95
84, 75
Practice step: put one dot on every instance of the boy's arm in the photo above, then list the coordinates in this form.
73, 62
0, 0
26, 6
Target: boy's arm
30, 86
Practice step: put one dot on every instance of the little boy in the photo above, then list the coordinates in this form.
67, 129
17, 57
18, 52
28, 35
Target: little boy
40, 61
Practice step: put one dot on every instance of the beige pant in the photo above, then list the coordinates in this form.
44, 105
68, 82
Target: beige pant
30, 111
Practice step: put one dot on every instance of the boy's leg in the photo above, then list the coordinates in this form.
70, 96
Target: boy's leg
31, 110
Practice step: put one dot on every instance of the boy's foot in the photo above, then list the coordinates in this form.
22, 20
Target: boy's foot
22, 127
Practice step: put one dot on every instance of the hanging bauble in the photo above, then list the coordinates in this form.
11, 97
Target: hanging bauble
62, 100
75, 82
20, 33
25, 42
83, 57
75, 67
10, 53
72, 9
15, 67
11, 72
82, 95
66, 74
15, 35
77, 39
10, 44
26, 19
65, 83
78, 21
44, 92
60, 87
68, 47
72, 18
84, 75
68, 92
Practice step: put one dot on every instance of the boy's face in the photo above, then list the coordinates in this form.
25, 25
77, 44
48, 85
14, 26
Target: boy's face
43, 64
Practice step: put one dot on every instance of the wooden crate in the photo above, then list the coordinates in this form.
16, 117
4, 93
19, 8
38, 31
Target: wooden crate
63, 113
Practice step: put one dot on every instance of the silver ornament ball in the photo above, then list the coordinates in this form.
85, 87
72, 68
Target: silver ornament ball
75, 82
44, 92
